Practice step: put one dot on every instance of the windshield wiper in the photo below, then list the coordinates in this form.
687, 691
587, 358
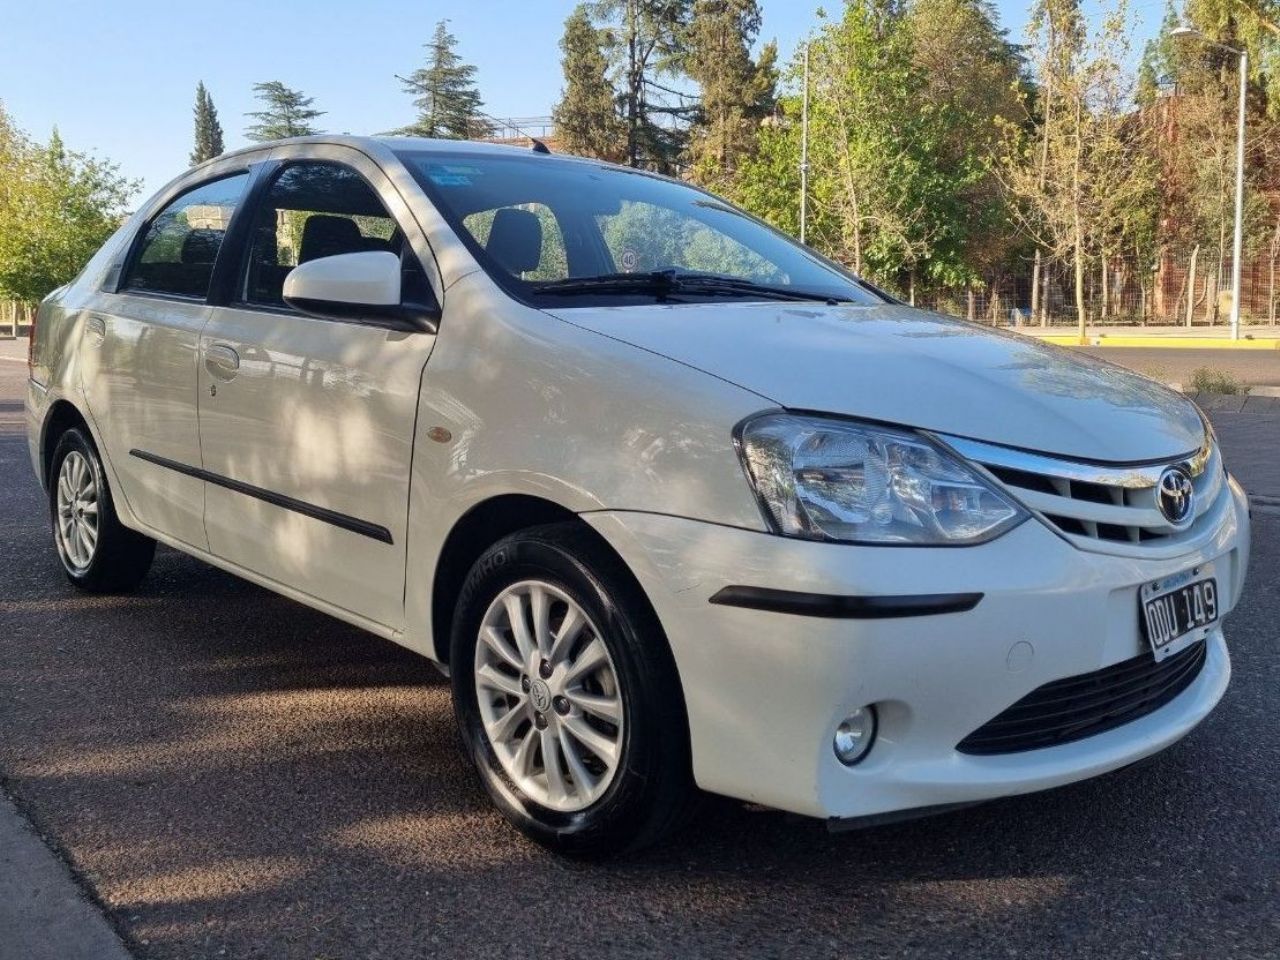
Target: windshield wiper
663, 283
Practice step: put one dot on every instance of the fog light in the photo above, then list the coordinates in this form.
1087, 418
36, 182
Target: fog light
855, 735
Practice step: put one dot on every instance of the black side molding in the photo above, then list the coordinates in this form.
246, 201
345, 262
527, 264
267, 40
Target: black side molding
341, 520
845, 607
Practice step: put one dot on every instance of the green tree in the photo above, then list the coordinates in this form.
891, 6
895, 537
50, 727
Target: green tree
586, 118
208, 136
286, 113
646, 44
737, 92
1085, 177
445, 94
882, 199
57, 207
972, 83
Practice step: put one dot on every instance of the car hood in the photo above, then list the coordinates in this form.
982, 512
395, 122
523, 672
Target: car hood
904, 366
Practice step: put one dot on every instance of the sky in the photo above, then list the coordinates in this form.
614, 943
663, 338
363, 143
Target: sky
118, 77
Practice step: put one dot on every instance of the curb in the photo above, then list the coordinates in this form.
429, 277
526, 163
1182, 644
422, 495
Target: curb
1163, 343
1247, 400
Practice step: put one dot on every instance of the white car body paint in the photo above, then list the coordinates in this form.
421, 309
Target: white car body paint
625, 416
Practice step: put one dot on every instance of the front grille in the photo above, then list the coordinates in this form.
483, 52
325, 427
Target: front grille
1092, 703
1103, 507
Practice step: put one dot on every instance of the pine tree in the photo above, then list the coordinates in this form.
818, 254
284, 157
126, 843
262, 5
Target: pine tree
288, 113
737, 92
208, 140
645, 40
445, 94
586, 118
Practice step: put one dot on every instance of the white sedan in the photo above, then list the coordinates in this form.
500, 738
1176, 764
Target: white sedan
677, 502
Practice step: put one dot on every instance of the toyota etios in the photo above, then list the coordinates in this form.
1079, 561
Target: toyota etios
677, 503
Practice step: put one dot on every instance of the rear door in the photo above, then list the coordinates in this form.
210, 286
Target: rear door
307, 424
139, 352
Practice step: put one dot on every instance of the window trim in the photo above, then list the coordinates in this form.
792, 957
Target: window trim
162, 203
236, 282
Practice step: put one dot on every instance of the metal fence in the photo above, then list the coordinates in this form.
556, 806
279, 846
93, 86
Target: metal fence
1184, 288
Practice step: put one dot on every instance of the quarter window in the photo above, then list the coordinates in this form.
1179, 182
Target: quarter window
314, 210
182, 241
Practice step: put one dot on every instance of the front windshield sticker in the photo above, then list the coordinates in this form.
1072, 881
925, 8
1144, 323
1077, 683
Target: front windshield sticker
452, 175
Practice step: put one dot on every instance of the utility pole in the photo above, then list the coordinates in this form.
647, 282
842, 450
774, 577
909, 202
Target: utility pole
804, 148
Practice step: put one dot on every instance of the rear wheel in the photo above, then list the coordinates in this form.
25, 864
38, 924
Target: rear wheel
98, 553
566, 695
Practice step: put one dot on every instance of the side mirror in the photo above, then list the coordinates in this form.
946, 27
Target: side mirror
357, 286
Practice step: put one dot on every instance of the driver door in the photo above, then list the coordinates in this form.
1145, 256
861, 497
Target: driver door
306, 424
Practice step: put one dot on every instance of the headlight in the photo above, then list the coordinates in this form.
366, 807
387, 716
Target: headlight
829, 479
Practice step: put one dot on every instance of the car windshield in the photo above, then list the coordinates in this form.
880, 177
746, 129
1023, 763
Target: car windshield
563, 233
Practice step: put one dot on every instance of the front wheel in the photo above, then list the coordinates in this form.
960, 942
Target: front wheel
567, 697
98, 553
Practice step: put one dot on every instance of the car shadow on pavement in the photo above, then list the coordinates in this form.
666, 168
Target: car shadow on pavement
232, 771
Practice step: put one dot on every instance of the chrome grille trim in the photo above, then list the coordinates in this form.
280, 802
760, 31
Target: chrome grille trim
1100, 507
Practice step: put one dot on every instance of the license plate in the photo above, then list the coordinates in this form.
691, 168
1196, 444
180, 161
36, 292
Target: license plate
1179, 610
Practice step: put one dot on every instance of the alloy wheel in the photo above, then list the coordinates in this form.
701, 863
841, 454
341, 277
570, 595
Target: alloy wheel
77, 506
549, 696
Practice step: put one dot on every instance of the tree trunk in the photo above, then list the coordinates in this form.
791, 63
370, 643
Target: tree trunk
911, 287
1106, 288
1271, 265
1077, 220
1036, 286
1191, 283
973, 306
634, 80
1271, 294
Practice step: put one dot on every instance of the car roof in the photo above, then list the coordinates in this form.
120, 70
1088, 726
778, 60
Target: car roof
398, 144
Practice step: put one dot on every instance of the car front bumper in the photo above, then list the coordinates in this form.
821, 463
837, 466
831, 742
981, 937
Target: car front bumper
766, 690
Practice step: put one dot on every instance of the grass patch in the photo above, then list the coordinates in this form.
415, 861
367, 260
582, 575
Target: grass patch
1208, 380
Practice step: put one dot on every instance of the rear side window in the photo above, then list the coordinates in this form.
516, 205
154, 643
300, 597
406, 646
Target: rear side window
314, 210
182, 241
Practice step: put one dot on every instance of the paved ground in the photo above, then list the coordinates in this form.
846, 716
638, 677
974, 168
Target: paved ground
232, 775
1176, 365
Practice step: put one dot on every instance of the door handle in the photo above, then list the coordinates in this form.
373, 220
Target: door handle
221, 361
96, 330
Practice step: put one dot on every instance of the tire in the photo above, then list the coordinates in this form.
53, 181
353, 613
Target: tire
649, 789
98, 553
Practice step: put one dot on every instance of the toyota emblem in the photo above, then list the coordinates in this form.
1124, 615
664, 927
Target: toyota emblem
1175, 495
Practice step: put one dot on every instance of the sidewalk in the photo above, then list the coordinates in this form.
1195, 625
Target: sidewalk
43, 914
14, 350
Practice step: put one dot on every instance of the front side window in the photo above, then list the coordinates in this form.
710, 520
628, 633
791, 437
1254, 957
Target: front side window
181, 244
563, 232
313, 210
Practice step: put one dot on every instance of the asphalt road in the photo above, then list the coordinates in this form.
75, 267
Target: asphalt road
1176, 365
233, 775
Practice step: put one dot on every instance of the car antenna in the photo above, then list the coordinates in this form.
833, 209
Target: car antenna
539, 146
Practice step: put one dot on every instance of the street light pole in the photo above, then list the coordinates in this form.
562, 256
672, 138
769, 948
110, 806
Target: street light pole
1237, 246
804, 148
